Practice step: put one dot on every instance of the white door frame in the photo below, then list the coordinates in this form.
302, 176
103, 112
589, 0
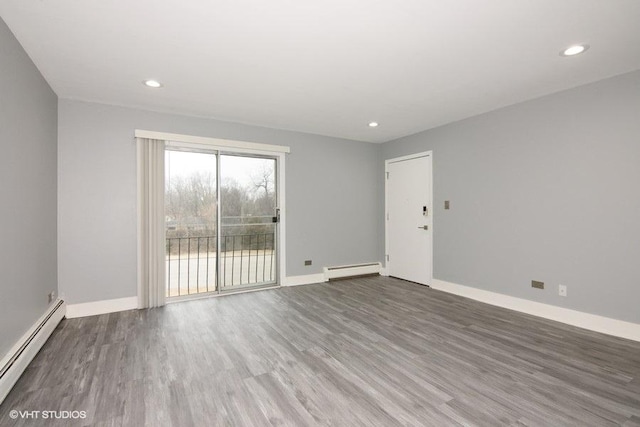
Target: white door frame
428, 154
280, 193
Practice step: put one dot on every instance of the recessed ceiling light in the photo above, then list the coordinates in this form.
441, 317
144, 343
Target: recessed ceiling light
373, 124
574, 50
152, 83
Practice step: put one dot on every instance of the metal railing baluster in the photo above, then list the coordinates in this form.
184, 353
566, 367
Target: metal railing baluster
264, 257
233, 260
179, 264
257, 256
198, 269
223, 264
241, 255
207, 276
271, 259
169, 267
188, 264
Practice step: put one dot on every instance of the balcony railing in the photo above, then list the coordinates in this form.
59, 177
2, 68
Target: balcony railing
245, 259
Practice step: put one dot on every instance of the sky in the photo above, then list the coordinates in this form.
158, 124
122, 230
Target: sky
239, 168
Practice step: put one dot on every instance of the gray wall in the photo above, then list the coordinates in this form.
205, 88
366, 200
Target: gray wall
28, 134
331, 197
547, 190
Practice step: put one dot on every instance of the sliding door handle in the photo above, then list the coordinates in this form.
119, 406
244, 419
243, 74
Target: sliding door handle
424, 227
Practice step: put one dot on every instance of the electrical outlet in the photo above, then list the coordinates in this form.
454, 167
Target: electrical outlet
537, 285
52, 296
562, 290
307, 262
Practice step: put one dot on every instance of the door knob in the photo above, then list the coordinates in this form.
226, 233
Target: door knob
424, 227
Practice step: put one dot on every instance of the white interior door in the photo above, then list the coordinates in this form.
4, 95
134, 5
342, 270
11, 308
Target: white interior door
409, 234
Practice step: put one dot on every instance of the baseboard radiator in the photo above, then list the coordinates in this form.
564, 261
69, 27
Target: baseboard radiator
23, 352
350, 271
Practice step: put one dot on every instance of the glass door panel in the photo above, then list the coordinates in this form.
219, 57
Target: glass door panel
191, 222
248, 233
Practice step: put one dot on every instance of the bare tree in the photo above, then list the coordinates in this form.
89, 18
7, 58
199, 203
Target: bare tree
263, 190
190, 202
263, 179
234, 198
191, 205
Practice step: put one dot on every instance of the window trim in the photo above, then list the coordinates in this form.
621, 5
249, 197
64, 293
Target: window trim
220, 144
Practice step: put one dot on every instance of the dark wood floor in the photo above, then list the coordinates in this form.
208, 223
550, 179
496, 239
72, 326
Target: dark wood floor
375, 351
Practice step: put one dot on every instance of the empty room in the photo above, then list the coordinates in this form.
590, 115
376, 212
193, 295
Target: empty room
301, 213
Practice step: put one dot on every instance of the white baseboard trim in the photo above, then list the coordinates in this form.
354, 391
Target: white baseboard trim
307, 279
13, 364
593, 322
101, 307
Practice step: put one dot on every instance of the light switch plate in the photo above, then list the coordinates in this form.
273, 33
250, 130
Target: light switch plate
562, 290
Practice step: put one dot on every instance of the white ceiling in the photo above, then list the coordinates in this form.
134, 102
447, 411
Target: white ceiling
327, 66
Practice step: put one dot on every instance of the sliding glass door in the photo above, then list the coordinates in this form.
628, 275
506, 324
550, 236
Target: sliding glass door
221, 221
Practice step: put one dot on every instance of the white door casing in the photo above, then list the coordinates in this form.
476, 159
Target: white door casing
409, 217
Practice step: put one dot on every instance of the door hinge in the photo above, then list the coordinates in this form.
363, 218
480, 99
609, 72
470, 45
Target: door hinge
387, 216
387, 175
387, 257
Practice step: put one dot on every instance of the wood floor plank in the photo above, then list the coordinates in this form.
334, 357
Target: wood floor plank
365, 352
